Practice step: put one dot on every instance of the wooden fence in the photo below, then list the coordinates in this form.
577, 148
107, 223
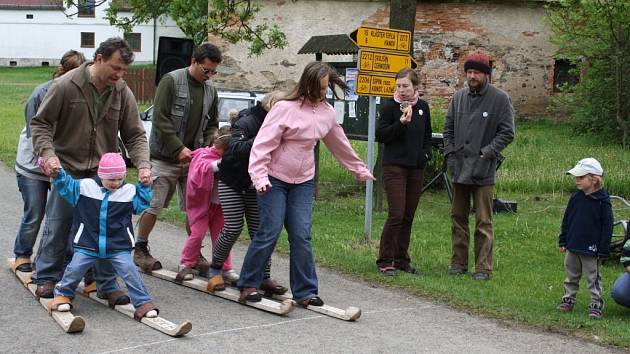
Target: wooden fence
141, 81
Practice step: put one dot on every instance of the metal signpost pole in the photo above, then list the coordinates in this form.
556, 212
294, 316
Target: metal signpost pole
370, 164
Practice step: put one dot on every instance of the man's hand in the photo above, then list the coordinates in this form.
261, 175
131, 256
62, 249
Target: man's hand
563, 249
52, 166
144, 176
628, 269
184, 155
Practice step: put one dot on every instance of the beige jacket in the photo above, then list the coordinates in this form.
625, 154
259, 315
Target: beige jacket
65, 124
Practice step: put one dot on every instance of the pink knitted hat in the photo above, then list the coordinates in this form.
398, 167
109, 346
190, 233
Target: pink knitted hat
112, 166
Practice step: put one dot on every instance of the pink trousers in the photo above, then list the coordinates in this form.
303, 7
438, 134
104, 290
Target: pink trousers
212, 220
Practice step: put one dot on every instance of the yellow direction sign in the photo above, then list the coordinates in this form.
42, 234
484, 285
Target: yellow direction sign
370, 60
372, 84
382, 38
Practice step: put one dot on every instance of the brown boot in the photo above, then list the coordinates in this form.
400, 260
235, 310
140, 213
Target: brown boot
143, 258
202, 266
45, 290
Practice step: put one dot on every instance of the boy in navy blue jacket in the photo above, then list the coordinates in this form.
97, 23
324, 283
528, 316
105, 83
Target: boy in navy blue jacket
585, 236
103, 231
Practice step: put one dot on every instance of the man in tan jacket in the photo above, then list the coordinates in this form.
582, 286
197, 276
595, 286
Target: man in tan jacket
78, 122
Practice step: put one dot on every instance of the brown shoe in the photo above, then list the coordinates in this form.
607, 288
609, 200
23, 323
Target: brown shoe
249, 294
45, 290
271, 287
202, 266
143, 258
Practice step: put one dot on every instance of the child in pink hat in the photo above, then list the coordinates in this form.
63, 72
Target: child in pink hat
109, 202
204, 211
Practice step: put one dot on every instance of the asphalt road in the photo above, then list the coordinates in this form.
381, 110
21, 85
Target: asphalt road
392, 321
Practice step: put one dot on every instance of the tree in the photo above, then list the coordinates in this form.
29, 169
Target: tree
228, 19
595, 35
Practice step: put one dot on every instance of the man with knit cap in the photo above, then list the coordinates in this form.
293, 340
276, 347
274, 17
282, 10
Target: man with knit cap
109, 202
79, 121
479, 125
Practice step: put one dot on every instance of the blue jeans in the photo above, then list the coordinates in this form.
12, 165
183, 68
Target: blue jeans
34, 193
289, 205
55, 247
124, 266
621, 290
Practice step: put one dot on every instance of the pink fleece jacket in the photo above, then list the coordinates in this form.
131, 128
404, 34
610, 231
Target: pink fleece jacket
201, 183
285, 143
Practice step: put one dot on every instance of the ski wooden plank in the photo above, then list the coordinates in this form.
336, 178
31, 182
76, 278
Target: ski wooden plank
349, 314
159, 323
68, 322
230, 293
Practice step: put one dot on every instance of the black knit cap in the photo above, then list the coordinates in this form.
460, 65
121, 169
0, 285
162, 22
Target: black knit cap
478, 61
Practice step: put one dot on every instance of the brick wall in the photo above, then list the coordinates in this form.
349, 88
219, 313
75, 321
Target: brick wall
513, 34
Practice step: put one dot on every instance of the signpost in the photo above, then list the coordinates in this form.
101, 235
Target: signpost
384, 52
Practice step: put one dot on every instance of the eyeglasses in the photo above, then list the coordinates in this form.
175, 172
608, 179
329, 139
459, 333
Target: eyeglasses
207, 71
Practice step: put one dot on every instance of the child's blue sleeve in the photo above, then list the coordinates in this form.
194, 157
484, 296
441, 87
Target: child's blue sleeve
607, 229
142, 199
68, 187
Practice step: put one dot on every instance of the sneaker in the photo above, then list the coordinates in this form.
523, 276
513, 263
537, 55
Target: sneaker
230, 276
387, 271
408, 269
595, 312
566, 305
481, 276
456, 271
143, 258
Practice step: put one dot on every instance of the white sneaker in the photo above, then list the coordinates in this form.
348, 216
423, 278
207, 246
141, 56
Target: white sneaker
230, 276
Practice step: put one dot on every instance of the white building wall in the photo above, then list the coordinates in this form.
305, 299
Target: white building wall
49, 34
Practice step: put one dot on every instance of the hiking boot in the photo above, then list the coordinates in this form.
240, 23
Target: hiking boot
45, 290
566, 305
456, 271
143, 258
202, 266
481, 276
230, 276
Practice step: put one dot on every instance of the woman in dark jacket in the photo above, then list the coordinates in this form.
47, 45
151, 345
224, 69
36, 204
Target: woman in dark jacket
237, 194
405, 129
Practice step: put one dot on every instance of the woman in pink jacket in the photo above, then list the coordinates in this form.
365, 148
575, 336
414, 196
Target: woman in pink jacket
282, 167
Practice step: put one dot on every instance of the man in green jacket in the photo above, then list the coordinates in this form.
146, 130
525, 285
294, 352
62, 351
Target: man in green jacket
78, 122
479, 125
185, 117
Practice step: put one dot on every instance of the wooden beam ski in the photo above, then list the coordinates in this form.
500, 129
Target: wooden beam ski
159, 323
349, 314
68, 322
230, 293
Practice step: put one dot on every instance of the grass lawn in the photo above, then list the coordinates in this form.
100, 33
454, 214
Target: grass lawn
528, 276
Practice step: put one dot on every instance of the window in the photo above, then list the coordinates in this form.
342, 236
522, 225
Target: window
86, 8
135, 41
29, 16
563, 75
87, 39
45, 63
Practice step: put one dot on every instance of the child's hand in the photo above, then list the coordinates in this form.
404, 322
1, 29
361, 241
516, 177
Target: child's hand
563, 249
628, 269
264, 188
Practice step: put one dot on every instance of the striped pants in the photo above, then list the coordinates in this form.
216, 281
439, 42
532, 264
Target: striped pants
236, 205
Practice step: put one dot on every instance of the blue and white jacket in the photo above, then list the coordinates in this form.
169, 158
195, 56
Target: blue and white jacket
102, 224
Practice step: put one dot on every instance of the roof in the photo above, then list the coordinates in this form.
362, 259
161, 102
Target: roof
32, 4
334, 44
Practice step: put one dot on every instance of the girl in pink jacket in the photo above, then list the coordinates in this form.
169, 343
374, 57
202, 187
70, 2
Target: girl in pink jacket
282, 167
202, 203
